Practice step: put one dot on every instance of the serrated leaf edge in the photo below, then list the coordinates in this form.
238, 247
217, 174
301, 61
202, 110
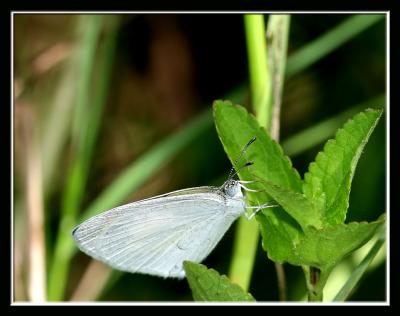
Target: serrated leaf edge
220, 277
311, 230
309, 174
276, 145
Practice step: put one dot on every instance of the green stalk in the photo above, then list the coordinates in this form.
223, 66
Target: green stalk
260, 81
244, 252
278, 35
247, 233
91, 26
315, 281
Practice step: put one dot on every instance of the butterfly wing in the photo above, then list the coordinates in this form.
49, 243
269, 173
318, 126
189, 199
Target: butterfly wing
155, 236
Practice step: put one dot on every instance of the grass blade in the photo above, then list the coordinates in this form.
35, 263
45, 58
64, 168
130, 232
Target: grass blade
260, 80
355, 277
84, 135
316, 134
328, 42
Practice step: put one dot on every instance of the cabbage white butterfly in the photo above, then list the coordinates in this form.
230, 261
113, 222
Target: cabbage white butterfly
154, 236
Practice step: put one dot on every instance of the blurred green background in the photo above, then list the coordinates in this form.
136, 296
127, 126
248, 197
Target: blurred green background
115, 108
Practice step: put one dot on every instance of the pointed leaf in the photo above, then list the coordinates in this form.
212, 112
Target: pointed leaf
235, 127
295, 204
327, 183
209, 285
324, 248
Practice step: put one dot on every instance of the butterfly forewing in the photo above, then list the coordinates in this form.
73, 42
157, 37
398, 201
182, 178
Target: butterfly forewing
156, 235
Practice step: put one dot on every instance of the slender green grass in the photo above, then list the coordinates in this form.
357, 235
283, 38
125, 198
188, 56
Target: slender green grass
260, 81
318, 133
360, 270
91, 26
84, 133
330, 41
56, 125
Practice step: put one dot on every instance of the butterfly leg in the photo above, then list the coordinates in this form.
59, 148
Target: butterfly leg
247, 181
246, 188
258, 208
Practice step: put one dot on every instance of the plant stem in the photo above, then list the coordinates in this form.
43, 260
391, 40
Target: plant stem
247, 233
267, 69
244, 252
258, 68
277, 37
313, 293
316, 280
280, 275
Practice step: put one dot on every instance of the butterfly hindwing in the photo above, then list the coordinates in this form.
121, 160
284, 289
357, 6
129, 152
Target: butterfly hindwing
155, 236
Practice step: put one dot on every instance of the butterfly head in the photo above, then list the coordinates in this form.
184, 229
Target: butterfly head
232, 188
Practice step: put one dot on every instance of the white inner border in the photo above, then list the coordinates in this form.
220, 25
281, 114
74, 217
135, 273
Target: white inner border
387, 109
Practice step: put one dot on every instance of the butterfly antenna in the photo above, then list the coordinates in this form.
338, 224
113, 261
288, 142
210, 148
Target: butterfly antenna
232, 173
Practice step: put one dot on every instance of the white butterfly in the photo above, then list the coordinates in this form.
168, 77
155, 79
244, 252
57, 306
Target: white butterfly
154, 236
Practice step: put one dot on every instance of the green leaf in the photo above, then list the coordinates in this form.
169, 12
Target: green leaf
295, 204
280, 233
327, 183
209, 285
324, 248
235, 127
